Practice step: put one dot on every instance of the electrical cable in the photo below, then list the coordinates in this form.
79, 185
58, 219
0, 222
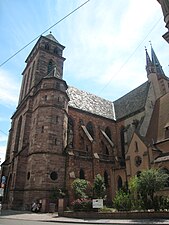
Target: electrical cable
44, 32
130, 55
3, 132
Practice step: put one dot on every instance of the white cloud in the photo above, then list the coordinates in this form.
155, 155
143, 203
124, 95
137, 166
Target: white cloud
9, 89
3, 137
2, 153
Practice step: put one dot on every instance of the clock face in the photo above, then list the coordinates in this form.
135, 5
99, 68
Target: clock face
138, 160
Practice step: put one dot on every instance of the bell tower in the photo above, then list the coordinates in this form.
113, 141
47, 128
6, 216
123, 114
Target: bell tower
44, 59
38, 136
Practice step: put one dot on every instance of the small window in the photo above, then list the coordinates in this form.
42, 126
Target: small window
136, 146
106, 179
54, 175
46, 97
50, 66
119, 182
138, 160
107, 151
47, 46
81, 174
90, 129
55, 51
108, 132
28, 175
55, 141
42, 129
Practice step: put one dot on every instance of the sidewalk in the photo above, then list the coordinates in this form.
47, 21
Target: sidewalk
53, 217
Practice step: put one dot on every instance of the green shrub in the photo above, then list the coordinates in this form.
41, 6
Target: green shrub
122, 201
163, 202
149, 182
79, 187
82, 205
99, 187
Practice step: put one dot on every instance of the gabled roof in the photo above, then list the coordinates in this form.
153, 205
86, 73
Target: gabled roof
132, 102
87, 102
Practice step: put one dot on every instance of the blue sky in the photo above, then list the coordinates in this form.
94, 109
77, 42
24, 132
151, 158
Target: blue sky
104, 41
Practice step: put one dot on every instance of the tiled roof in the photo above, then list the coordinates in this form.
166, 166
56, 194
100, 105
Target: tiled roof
131, 102
90, 103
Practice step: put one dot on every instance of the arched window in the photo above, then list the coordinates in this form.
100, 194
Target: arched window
47, 46
18, 133
81, 174
90, 129
70, 132
55, 51
107, 151
104, 149
106, 179
50, 66
108, 132
119, 183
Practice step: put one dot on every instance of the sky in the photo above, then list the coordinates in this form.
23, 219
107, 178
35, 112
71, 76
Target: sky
105, 46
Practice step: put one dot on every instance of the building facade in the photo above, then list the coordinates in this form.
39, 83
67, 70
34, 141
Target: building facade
60, 133
165, 9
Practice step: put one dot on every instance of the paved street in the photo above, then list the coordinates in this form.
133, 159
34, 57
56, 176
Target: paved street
10, 217
22, 222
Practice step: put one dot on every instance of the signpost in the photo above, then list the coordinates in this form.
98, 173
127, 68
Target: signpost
97, 203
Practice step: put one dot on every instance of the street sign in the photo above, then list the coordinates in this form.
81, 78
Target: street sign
97, 203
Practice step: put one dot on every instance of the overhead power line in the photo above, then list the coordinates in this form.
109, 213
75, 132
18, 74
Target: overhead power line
3, 132
44, 32
131, 55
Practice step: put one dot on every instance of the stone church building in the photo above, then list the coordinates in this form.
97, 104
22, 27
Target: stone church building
60, 133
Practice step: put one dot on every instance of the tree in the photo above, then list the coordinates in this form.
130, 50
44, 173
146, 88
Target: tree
99, 187
149, 182
79, 187
136, 201
122, 201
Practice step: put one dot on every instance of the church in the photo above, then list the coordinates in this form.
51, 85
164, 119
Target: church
60, 133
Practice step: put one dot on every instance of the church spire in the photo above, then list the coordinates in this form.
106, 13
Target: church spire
149, 64
156, 63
